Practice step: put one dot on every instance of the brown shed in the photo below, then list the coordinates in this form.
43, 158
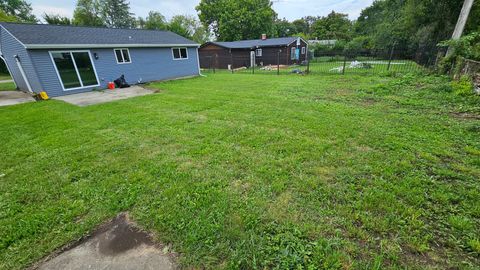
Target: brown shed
246, 53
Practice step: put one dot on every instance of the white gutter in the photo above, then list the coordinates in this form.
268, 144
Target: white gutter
94, 46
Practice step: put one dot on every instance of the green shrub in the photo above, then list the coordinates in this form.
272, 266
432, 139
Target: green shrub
463, 87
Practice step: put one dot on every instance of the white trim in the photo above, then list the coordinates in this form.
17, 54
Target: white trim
296, 41
22, 72
198, 62
123, 58
181, 58
76, 69
96, 46
258, 54
24, 46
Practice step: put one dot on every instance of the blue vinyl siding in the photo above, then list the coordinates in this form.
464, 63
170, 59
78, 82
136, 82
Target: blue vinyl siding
11, 47
148, 64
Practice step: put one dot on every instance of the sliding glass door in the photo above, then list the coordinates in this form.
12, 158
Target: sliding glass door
75, 69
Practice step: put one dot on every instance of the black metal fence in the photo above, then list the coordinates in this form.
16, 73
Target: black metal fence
328, 62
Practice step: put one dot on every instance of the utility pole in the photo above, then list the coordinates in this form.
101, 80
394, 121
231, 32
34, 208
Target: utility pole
462, 20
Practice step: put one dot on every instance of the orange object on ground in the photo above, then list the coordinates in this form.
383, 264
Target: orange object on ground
111, 85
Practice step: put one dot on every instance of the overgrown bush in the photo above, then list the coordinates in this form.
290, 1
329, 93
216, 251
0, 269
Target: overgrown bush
467, 47
463, 87
328, 49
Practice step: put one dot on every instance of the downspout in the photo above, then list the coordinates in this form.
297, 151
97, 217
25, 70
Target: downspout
198, 62
19, 64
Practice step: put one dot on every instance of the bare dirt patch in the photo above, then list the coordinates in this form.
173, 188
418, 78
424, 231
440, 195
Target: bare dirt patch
466, 116
118, 244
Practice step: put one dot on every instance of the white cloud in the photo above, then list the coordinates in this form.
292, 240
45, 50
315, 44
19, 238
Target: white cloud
39, 10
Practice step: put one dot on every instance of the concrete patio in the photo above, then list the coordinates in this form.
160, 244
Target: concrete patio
97, 97
14, 97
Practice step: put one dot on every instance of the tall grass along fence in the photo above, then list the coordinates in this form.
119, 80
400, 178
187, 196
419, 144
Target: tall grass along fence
329, 62
471, 69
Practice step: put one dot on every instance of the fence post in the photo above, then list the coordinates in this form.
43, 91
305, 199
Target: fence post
231, 61
344, 63
308, 62
254, 63
278, 62
391, 56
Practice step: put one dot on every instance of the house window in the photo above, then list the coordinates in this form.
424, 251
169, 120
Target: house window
179, 53
123, 56
259, 52
304, 50
293, 53
75, 69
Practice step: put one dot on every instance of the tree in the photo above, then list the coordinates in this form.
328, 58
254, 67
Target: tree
87, 13
155, 20
334, 26
56, 19
140, 23
284, 28
301, 26
4, 17
180, 24
189, 27
116, 14
237, 19
19, 9
413, 24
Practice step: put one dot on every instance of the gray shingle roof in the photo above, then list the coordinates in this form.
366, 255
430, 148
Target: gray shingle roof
56, 36
245, 44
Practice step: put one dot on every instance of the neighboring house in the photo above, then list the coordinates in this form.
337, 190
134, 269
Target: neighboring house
62, 60
258, 52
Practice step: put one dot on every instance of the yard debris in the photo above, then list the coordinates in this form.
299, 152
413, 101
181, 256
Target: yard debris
298, 71
240, 68
268, 68
339, 69
121, 82
357, 64
354, 64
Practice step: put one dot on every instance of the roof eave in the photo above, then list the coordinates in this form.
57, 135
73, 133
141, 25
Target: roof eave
99, 46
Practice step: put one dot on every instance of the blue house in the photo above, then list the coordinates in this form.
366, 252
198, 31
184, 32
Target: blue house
62, 60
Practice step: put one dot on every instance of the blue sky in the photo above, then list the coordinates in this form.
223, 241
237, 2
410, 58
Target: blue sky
290, 9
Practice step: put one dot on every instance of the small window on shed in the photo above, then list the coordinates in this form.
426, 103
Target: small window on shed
123, 56
304, 50
259, 53
180, 53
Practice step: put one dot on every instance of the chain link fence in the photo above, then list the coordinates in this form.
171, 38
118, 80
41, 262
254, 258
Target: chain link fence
329, 62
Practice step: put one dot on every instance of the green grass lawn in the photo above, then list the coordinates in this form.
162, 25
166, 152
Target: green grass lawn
254, 172
319, 67
4, 76
9, 86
